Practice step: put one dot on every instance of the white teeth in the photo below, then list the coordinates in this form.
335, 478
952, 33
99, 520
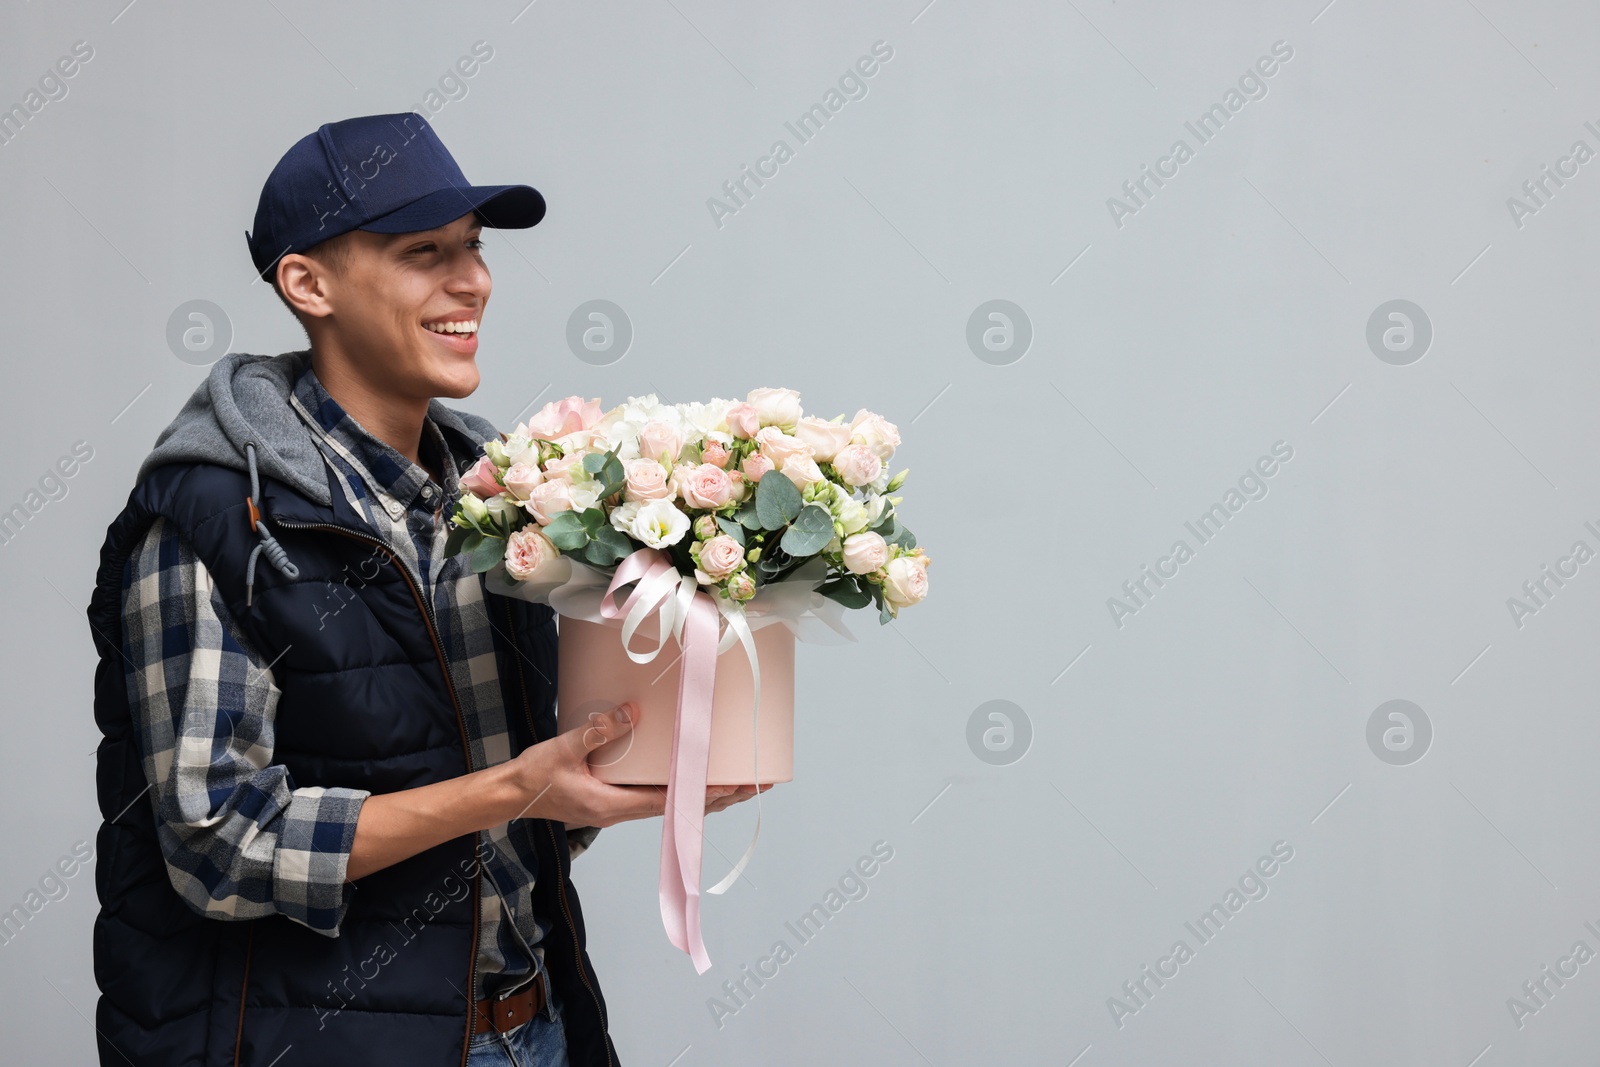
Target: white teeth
468, 326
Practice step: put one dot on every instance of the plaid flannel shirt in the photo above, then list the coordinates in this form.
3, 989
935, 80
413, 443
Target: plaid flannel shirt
235, 830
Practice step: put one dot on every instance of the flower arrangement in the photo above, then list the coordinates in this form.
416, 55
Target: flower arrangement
740, 494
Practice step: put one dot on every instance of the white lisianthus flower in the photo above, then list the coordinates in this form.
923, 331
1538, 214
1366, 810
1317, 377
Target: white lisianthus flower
619, 428
709, 419
659, 524
623, 514
875, 505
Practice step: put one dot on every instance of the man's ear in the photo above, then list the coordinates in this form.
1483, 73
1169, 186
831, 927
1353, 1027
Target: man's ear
304, 283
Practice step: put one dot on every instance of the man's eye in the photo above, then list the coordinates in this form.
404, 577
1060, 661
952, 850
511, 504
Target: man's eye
476, 244
422, 248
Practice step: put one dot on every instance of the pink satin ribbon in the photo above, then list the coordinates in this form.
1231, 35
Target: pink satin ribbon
682, 833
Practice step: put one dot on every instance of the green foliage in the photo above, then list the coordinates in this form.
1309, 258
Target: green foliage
733, 530
566, 531
846, 589
487, 552
812, 529
778, 501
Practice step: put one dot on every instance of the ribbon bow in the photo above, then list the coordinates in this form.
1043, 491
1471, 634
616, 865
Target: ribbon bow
691, 617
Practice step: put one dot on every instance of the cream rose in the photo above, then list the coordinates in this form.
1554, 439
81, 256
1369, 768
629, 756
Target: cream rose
865, 552
857, 465
876, 432
824, 437
559, 467
660, 441
521, 478
526, 550
776, 407
779, 446
646, 480
706, 486
548, 498
905, 581
802, 471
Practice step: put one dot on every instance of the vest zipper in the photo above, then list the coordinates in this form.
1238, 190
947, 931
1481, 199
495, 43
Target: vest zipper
466, 746
555, 848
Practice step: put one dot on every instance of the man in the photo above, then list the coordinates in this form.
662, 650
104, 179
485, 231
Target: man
356, 838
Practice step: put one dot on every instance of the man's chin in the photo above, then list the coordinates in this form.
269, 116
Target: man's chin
458, 383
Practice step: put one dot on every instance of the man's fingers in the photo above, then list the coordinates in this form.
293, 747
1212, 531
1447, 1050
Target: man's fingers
607, 726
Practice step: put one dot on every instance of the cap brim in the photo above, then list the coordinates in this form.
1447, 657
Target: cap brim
506, 207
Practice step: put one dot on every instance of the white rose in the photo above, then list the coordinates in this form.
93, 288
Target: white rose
857, 464
876, 432
802, 470
905, 582
776, 407
824, 437
865, 552
659, 524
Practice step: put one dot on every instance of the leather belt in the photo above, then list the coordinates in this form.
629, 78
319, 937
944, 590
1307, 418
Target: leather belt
508, 1013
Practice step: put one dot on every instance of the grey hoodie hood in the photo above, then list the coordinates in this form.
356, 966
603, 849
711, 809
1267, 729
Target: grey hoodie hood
245, 400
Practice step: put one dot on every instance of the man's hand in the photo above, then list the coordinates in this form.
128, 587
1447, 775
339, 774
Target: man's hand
551, 780
556, 778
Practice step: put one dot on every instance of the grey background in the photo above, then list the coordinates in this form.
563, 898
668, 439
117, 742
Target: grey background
1229, 313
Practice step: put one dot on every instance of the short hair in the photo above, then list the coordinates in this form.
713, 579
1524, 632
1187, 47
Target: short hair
334, 253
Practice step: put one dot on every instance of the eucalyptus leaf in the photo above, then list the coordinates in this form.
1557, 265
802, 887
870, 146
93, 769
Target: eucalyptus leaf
456, 543
732, 529
846, 591
778, 501
903, 537
610, 545
812, 529
566, 531
487, 552
746, 515
593, 462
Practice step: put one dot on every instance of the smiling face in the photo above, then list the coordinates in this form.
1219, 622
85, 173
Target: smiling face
398, 313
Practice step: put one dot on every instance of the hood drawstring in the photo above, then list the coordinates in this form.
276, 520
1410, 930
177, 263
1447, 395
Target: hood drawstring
269, 544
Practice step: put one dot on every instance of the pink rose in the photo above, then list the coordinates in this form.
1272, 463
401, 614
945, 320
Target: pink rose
646, 480
720, 557
857, 465
876, 432
660, 441
779, 446
521, 479
802, 471
743, 422
548, 498
706, 487
561, 417
526, 550
715, 453
755, 465
865, 552
555, 469
824, 437
480, 480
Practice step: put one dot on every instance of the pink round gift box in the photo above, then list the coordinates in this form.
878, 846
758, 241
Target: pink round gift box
595, 675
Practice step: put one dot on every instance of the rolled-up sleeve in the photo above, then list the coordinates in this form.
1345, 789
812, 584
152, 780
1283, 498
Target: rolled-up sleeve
579, 838
240, 840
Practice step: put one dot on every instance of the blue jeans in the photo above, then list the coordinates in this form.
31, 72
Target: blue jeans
539, 1042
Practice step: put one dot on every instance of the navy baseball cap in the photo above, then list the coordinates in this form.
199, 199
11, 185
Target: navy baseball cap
383, 173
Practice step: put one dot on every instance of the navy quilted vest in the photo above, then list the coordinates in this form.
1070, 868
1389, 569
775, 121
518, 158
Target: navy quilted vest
366, 702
